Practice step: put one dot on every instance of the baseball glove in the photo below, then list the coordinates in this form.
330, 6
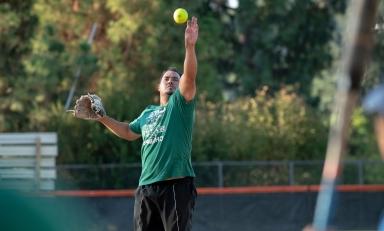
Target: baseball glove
89, 107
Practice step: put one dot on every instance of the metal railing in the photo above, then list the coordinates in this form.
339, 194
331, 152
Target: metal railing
222, 174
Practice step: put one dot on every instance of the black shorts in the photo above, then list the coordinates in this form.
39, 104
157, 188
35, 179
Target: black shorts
166, 205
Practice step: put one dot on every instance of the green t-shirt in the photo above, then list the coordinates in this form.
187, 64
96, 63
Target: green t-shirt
167, 139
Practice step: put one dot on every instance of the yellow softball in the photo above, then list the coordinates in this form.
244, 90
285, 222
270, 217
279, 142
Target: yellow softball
180, 15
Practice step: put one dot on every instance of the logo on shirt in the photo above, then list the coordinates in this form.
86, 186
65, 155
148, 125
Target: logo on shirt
155, 116
153, 132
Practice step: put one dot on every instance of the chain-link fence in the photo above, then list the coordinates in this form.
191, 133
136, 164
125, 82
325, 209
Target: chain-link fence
221, 174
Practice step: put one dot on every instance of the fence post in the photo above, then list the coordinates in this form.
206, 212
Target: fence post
291, 173
220, 174
360, 171
38, 163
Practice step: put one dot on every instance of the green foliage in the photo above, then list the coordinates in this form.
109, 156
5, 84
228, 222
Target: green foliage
44, 44
362, 142
17, 24
284, 42
264, 127
376, 70
16, 27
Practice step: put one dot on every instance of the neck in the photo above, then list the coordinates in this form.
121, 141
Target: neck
164, 99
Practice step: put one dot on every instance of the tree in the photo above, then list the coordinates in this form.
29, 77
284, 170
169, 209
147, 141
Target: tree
17, 24
283, 42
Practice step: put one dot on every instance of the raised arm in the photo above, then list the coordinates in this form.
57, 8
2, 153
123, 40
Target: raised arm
120, 129
188, 80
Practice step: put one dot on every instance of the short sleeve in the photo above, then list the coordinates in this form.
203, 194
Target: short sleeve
135, 125
180, 100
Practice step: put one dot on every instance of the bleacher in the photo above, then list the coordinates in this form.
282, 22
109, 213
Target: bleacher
28, 161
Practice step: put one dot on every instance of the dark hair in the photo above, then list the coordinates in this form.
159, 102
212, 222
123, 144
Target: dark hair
170, 69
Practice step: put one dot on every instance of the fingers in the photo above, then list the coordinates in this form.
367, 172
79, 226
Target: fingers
88, 107
71, 111
82, 104
84, 100
192, 22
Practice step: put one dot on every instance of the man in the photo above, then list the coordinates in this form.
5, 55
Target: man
373, 103
166, 194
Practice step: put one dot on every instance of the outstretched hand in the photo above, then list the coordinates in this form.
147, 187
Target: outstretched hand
89, 107
191, 32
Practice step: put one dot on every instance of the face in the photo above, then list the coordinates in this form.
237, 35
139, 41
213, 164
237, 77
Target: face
169, 82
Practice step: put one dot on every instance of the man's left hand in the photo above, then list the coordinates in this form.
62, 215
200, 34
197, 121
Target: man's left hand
191, 32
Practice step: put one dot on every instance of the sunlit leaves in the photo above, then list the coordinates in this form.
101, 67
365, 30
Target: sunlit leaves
263, 127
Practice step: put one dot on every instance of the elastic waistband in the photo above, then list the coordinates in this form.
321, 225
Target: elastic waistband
187, 179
